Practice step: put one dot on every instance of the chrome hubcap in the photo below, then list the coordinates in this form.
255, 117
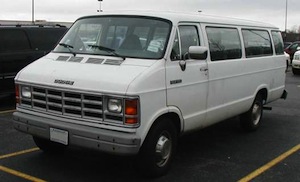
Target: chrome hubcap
163, 150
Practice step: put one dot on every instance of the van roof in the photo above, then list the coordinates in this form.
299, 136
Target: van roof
177, 17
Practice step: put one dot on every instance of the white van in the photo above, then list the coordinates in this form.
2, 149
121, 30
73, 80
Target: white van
132, 83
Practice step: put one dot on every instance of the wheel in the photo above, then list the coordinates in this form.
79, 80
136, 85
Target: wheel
295, 71
250, 120
48, 146
158, 149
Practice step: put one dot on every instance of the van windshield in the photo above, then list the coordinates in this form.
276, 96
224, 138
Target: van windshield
120, 36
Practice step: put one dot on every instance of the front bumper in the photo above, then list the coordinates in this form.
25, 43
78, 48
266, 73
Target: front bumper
109, 141
296, 64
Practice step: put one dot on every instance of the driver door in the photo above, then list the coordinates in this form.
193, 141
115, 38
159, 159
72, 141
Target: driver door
187, 88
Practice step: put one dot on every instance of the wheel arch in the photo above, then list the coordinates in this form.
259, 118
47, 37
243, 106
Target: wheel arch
171, 113
264, 93
174, 118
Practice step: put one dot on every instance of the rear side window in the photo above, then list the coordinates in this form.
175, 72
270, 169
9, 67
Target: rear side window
13, 40
278, 43
257, 43
224, 43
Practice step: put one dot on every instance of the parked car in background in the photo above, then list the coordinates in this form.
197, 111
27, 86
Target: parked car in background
286, 44
291, 49
296, 63
21, 45
288, 60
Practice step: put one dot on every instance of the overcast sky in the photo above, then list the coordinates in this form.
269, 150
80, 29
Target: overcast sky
271, 11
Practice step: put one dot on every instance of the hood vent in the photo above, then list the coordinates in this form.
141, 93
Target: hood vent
75, 59
62, 58
94, 61
113, 62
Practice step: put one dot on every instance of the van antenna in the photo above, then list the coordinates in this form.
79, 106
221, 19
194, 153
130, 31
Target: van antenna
100, 9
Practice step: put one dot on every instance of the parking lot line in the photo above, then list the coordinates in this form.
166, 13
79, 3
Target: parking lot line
18, 153
8, 111
269, 165
19, 174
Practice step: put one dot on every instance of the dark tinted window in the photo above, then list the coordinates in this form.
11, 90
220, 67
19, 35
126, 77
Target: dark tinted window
45, 38
13, 40
257, 43
224, 43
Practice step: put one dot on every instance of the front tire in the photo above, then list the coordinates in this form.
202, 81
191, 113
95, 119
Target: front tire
251, 120
295, 71
158, 149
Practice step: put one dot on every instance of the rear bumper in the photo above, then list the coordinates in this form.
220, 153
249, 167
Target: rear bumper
114, 142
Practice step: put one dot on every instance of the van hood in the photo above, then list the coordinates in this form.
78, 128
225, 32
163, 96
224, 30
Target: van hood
97, 74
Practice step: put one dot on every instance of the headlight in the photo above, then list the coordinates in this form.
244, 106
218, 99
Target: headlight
26, 92
114, 105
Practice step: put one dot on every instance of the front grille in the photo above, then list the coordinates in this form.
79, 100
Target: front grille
66, 103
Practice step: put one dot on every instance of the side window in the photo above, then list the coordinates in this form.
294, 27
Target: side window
224, 43
278, 43
188, 37
175, 54
257, 43
13, 40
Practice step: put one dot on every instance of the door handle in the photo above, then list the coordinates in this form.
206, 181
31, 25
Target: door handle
204, 69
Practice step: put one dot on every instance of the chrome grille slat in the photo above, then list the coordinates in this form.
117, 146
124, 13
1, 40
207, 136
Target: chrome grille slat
54, 104
39, 94
38, 101
72, 108
92, 102
92, 110
53, 96
72, 99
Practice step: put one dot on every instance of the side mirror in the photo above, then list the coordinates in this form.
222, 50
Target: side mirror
298, 48
198, 52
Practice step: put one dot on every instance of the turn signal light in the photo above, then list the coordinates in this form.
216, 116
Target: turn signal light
131, 111
131, 107
17, 94
131, 120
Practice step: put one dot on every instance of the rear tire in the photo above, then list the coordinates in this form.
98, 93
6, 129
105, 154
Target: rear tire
251, 120
48, 146
158, 149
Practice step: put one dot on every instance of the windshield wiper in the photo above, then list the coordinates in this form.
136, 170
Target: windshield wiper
69, 47
109, 50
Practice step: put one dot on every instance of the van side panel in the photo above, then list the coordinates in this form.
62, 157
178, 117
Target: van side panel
234, 83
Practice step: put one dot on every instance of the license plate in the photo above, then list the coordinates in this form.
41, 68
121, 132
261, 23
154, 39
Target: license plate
59, 136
